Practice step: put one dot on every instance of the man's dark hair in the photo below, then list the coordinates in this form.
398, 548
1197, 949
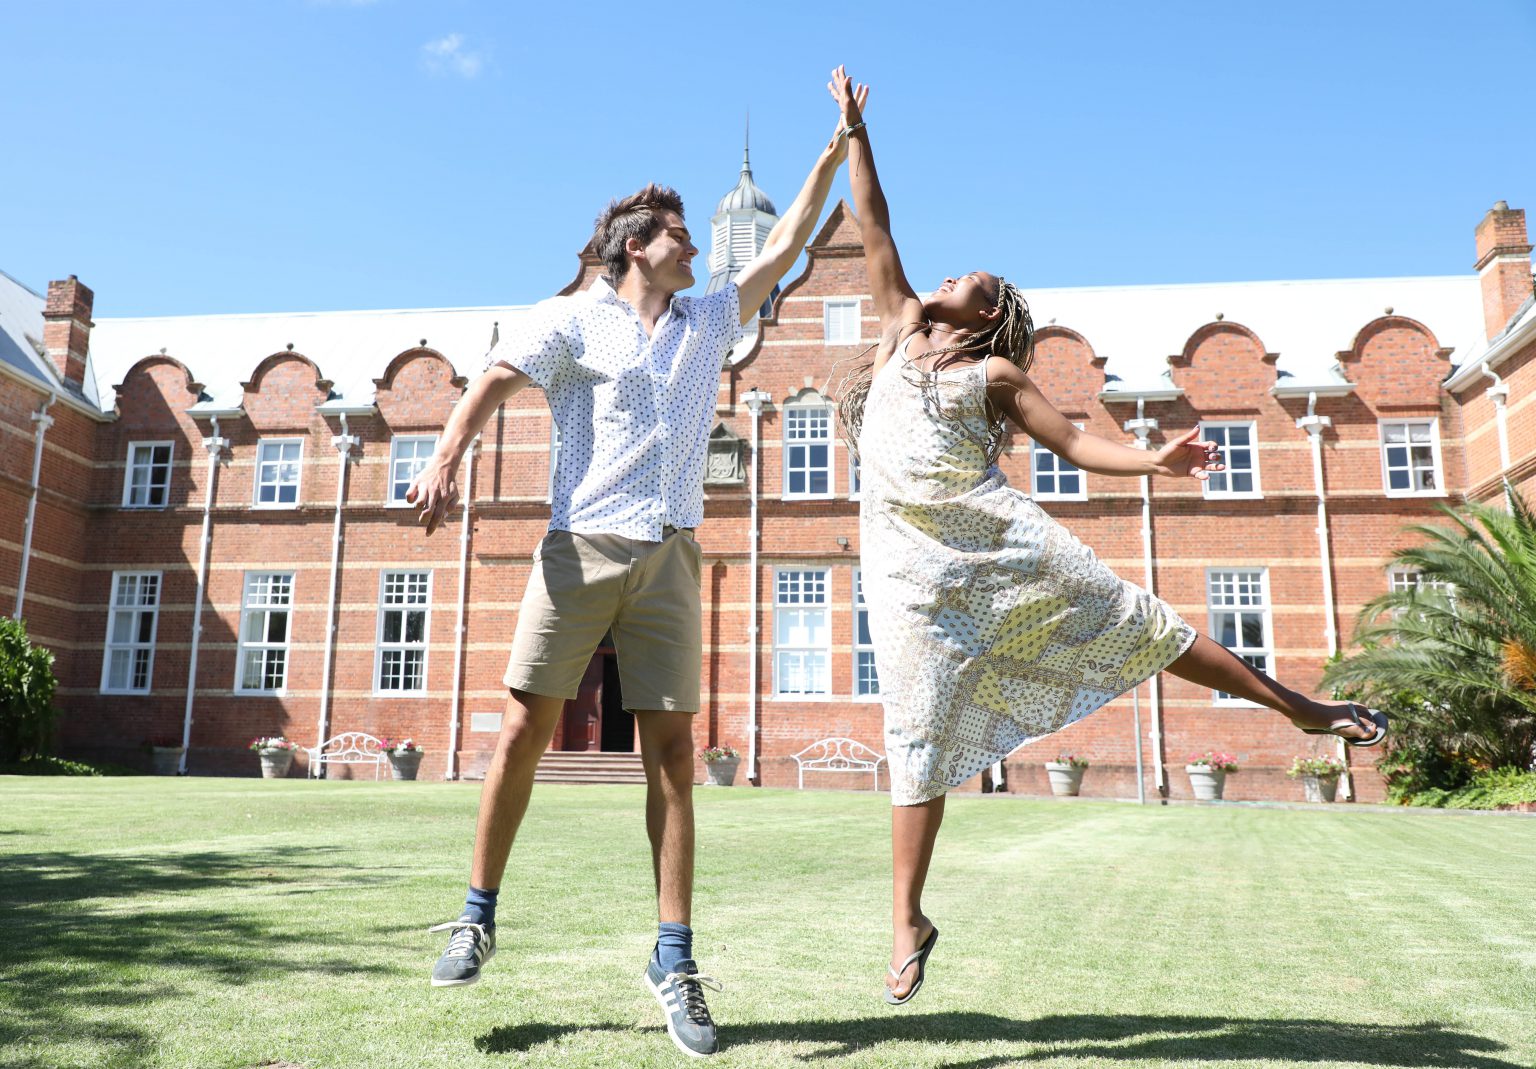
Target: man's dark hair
634, 216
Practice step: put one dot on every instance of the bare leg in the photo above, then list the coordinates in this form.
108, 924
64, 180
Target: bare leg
666, 749
913, 831
525, 733
1210, 664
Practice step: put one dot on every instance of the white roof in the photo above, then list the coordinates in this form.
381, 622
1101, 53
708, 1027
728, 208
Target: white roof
1307, 323
350, 348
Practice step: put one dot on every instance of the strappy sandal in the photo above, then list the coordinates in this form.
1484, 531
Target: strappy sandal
920, 955
1377, 718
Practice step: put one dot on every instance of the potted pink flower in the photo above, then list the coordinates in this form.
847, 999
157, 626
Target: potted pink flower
276, 755
404, 757
1319, 776
720, 764
1208, 773
1066, 774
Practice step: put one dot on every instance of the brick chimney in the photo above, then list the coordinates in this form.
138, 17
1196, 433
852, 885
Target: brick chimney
67, 327
1503, 264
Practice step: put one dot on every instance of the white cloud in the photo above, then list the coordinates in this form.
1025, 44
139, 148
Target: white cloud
447, 55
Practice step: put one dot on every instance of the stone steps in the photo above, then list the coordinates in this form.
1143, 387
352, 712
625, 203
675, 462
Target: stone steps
589, 767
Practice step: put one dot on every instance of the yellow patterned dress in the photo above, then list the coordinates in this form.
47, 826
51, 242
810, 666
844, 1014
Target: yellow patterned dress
992, 624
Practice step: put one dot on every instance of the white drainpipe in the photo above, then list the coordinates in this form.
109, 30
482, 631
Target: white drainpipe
755, 399
451, 771
343, 443
1498, 393
43, 421
215, 446
1141, 426
1313, 424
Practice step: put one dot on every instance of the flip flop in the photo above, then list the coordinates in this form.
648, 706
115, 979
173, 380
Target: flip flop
1377, 718
920, 955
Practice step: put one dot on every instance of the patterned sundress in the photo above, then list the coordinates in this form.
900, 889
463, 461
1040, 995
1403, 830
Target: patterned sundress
992, 624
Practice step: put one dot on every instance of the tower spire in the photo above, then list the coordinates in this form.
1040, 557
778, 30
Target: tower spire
746, 148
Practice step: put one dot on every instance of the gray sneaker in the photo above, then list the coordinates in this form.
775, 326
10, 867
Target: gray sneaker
470, 946
681, 994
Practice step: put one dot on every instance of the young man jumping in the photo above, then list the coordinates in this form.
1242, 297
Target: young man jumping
631, 371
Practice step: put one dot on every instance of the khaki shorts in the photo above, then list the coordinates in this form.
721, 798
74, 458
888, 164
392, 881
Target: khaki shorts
647, 593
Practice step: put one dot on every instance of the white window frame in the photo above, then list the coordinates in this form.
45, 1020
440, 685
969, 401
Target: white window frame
862, 650
1225, 476
137, 608
838, 314
554, 458
1261, 657
808, 652
149, 485
792, 414
261, 598
297, 484
416, 463
855, 477
380, 647
1438, 472
1036, 451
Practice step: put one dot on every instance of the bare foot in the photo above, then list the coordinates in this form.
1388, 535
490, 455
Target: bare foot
908, 938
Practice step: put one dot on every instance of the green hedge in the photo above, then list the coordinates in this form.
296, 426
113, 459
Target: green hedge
1487, 790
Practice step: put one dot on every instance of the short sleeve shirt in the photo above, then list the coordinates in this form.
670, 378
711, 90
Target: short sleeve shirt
634, 412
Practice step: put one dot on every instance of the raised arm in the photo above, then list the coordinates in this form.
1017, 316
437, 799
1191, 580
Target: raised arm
791, 232
895, 300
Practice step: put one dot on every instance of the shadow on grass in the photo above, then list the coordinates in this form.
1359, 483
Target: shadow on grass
92, 943
1089, 1036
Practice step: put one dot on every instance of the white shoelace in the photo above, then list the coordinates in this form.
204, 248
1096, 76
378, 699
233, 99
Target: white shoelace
467, 936
688, 985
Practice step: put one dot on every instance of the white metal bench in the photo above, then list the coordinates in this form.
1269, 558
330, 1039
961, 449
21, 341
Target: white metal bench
348, 748
839, 755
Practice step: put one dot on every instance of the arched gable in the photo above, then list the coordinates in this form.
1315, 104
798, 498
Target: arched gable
418, 389
1394, 361
1224, 367
154, 392
1067, 370
283, 391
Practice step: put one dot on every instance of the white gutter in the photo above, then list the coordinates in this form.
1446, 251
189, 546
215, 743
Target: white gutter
43, 421
755, 399
1499, 350
343, 444
1141, 427
1313, 424
215, 446
451, 770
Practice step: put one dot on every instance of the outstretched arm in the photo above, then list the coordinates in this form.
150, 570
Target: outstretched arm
1010, 389
790, 233
895, 300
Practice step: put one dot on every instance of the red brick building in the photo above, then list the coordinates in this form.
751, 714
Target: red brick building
200, 516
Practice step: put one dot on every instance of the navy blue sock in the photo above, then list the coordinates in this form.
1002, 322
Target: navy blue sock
480, 906
674, 942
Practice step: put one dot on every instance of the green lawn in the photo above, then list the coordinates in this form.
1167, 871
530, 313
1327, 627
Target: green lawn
228, 923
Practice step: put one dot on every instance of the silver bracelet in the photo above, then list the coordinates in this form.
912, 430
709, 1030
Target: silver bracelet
850, 129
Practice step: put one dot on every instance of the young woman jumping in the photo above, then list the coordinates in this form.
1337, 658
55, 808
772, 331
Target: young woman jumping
992, 624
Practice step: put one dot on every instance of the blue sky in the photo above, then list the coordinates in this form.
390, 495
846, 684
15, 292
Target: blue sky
295, 154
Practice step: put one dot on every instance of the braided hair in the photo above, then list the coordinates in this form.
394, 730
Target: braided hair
1011, 336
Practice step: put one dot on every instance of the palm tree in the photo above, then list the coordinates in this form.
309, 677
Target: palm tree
1464, 639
